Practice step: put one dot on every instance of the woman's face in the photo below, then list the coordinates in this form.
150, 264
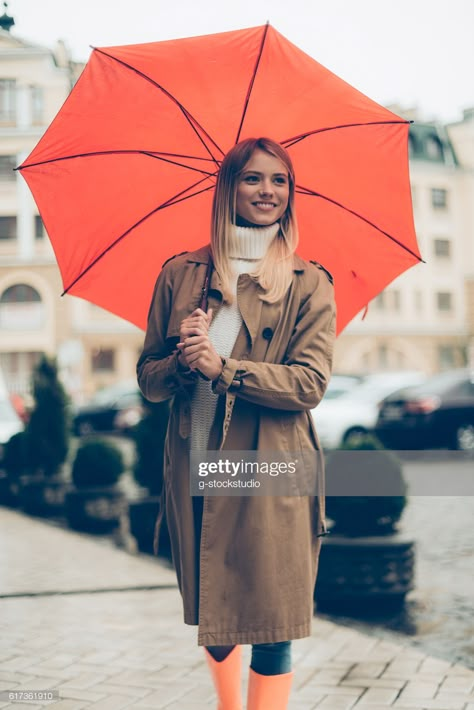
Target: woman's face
262, 190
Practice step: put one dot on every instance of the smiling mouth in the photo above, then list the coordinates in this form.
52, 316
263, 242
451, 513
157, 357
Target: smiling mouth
264, 205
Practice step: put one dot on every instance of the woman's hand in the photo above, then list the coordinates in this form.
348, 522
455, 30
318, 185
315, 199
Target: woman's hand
196, 350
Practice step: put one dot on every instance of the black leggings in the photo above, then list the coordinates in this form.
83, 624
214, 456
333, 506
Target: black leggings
267, 658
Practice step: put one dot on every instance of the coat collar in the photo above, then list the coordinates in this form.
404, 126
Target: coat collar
201, 256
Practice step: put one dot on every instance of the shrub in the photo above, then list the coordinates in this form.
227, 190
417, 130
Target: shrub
15, 455
48, 430
149, 436
97, 463
365, 515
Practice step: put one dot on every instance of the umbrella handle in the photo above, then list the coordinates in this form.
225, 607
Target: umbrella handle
203, 303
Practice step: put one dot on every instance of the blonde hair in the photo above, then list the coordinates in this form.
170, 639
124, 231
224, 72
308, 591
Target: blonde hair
275, 271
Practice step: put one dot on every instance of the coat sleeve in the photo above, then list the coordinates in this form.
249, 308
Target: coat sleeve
301, 380
159, 374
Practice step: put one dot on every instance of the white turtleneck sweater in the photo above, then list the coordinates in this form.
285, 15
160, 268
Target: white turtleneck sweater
250, 245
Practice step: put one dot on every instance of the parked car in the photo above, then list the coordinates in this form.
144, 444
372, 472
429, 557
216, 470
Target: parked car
113, 409
354, 414
340, 384
436, 414
10, 423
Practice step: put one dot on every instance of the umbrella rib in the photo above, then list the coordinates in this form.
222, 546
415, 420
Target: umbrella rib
193, 122
311, 193
289, 142
180, 197
252, 81
157, 156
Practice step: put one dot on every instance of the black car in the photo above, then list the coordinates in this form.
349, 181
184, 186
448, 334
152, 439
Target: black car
113, 409
436, 414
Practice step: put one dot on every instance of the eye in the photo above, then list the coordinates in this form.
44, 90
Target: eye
251, 179
281, 180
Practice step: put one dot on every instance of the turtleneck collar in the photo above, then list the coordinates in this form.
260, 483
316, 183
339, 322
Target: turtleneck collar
251, 243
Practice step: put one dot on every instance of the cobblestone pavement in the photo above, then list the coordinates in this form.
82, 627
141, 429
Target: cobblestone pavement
104, 629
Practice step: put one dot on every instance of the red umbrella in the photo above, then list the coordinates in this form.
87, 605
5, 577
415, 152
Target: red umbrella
123, 177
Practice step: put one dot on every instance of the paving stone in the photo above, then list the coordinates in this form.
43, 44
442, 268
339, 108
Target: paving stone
111, 702
417, 689
366, 669
380, 696
458, 684
428, 704
69, 705
395, 683
338, 702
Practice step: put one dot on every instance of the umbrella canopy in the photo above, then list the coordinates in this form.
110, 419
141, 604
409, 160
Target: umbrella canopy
123, 177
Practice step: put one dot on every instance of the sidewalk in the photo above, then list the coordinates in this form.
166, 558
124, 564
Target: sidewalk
105, 629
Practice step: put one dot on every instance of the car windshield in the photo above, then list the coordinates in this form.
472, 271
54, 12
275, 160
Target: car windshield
439, 384
111, 394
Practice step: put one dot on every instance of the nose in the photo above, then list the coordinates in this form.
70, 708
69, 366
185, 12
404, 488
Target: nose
266, 187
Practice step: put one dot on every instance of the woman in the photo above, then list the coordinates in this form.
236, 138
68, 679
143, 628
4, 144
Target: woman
244, 375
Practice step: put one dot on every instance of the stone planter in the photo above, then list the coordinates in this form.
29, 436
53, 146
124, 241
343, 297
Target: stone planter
143, 514
95, 510
364, 573
42, 496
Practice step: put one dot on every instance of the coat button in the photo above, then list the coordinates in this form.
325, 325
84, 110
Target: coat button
267, 333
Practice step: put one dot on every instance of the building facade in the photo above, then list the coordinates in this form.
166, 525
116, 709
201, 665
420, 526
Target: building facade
424, 320
94, 348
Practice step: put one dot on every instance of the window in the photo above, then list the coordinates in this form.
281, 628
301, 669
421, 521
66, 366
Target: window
442, 248
7, 227
388, 301
418, 301
36, 97
379, 301
434, 149
395, 300
39, 227
21, 308
444, 300
446, 357
7, 165
439, 197
103, 360
7, 100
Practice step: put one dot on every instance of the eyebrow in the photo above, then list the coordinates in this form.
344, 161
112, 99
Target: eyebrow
256, 172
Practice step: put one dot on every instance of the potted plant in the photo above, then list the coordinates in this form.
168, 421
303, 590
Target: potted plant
365, 562
96, 503
13, 466
149, 435
46, 443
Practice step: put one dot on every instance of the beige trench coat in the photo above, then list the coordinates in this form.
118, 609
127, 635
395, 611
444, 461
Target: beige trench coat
252, 579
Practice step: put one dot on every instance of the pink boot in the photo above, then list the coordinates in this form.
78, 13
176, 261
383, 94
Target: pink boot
226, 677
268, 692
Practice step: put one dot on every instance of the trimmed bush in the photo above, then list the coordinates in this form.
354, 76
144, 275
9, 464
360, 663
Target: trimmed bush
365, 515
149, 436
48, 430
98, 462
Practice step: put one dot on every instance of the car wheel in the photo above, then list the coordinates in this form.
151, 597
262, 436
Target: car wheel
464, 437
354, 436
